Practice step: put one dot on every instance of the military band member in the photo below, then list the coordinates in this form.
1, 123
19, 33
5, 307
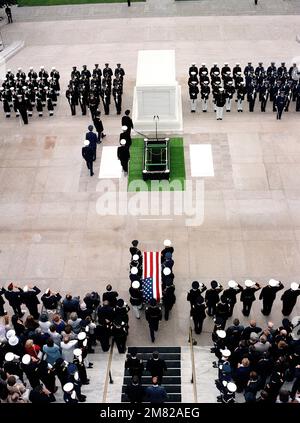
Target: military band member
251, 96
205, 91
248, 69
229, 93
214, 68
71, 99
119, 71
194, 91
264, 95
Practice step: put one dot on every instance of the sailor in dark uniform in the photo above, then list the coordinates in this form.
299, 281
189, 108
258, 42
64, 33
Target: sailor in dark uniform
193, 69
230, 295
30, 299
248, 69
264, 95
195, 292
268, 295
289, 298
280, 104
127, 121
107, 71
120, 333
123, 155
205, 91
169, 298
193, 91
153, 316
229, 93
248, 296
71, 99
13, 294
198, 314
119, 71
212, 297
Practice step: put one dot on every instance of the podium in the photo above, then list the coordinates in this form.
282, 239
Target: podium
157, 93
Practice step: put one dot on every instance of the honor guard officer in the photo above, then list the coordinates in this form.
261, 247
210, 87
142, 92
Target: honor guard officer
134, 248
248, 296
225, 69
271, 69
117, 94
119, 71
167, 249
107, 71
281, 70
230, 294
134, 365
289, 298
106, 92
136, 298
288, 92
237, 68
110, 296
99, 126
229, 93
193, 91
21, 107
264, 91
97, 72
268, 295
280, 104
75, 73
193, 70
259, 69
220, 100
153, 317
71, 99
251, 96
43, 74
205, 91
85, 72
203, 74
120, 333
123, 155
198, 314
274, 92
248, 69
125, 135
168, 298
238, 80
214, 68
54, 74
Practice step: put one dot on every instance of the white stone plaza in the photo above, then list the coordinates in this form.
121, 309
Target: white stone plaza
51, 231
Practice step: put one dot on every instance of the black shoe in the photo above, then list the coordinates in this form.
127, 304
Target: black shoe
204, 111
192, 111
228, 111
92, 174
90, 366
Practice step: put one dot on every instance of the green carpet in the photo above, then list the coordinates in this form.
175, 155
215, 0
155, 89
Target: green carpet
177, 167
64, 2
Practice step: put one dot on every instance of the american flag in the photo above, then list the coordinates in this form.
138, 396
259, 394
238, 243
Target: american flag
152, 275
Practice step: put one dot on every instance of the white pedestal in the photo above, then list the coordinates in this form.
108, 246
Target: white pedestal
157, 93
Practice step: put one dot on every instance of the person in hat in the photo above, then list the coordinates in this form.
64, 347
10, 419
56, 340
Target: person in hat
134, 365
11, 363
30, 299
168, 248
136, 298
127, 121
166, 276
153, 316
198, 313
168, 298
134, 248
222, 311
289, 298
123, 155
78, 360
193, 92
168, 261
40, 394
120, 332
280, 104
70, 394
88, 155
230, 294
227, 392
73, 377
13, 294
30, 368
248, 296
195, 292
205, 92
212, 297
156, 366
134, 391
220, 101
268, 295
125, 135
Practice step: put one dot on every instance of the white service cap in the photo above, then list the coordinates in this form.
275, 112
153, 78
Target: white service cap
294, 286
221, 333
77, 352
13, 340
68, 387
81, 336
231, 387
86, 142
135, 284
122, 142
273, 282
26, 359
9, 356
167, 243
134, 271
249, 283
135, 257
10, 333
124, 128
232, 284
167, 271
226, 352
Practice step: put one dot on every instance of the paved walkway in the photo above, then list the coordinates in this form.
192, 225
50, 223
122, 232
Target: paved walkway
155, 8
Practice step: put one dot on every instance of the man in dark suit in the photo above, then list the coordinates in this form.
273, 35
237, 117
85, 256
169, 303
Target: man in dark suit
289, 298
88, 155
212, 297
127, 121
198, 314
70, 305
156, 394
110, 296
30, 299
93, 139
156, 367
13, 294
135, 391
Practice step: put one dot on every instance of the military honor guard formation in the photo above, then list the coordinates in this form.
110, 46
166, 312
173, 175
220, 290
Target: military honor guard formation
88, 89
24, 94
278, 85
